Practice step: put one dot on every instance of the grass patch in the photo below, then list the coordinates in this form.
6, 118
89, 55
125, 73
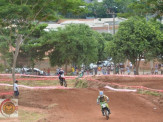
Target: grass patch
29, 116
150, 93
81, 84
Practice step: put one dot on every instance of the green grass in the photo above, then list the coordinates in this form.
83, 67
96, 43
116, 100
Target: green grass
26, 116
81, 84
150, 93
29, 116
70, 83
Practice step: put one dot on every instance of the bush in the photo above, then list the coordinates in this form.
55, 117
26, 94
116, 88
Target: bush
2, 68
149, 93
81, 84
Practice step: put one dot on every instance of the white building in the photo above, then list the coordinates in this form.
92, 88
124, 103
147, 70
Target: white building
100, 25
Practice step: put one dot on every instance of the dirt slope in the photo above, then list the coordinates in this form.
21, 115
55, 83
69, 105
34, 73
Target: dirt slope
79, 105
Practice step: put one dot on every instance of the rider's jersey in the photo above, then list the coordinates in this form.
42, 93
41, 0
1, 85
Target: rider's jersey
61, 72
104, 98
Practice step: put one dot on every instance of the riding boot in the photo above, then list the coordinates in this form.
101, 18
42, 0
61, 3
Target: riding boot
109, 111
103, 113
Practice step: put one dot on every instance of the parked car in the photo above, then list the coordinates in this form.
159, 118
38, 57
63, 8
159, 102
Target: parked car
92, 66
35, 72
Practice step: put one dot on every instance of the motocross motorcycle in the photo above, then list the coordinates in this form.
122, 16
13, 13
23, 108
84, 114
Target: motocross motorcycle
62, 80
105, 109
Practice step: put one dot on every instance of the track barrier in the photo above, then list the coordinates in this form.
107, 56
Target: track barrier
36, 77
6, 93
38, 87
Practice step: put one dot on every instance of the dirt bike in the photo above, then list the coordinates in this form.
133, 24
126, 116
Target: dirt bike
105, 109
62, 80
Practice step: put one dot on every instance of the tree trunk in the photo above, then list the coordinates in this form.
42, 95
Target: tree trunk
15, 55
137, 66
66, 68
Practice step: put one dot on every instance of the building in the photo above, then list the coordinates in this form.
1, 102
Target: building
106, 25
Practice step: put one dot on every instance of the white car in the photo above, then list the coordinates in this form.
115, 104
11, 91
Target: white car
36, 71
92, 66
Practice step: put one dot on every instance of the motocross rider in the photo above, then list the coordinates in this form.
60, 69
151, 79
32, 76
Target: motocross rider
60, 73
102, 98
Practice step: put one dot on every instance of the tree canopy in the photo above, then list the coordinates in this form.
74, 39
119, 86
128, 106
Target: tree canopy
17, 17
73, 44
137, 38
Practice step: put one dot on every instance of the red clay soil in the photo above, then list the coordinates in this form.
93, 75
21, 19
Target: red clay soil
150, 82
79, 105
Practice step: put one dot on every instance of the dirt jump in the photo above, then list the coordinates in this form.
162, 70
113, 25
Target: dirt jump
79, 104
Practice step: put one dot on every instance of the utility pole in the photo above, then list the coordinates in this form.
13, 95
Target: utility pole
113, 23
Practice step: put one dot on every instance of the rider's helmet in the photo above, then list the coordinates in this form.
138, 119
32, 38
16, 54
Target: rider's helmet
101, 93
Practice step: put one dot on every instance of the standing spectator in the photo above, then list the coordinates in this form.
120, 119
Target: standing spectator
121, 67
48, 71
117, 70
130, 66
156, 69
108, 70
73, 70
161, 69
23, 71
16, 89
152, 71
99, 69
134, 71
87, 70
82, 71
128, 70
103, 70
57, 71
95, 69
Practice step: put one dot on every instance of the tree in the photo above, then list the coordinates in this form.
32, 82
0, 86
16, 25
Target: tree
5, 54
145, 8
17, 16
76, 43
103, 38
137, 38
114, 52
30, 47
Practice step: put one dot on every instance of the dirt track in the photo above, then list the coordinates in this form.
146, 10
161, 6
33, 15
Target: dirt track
79, 105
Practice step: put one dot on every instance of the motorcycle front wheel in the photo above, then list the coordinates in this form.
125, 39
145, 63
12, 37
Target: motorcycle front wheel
61, 82
106, 114
65, 83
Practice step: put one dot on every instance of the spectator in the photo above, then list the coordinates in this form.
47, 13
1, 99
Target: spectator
82, 71
73, 70
121, 67
135, 71
152, 71
156, 69
16, 89
95, 69
99, 69
108, 70
161, 69
57, 71
48, 71
117, 70
128, 70
130, 66
103, 70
